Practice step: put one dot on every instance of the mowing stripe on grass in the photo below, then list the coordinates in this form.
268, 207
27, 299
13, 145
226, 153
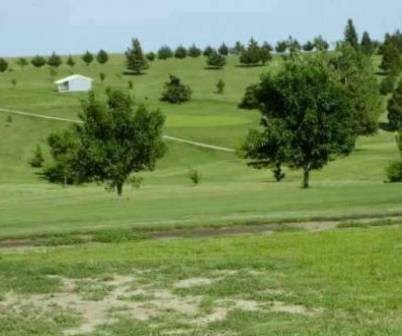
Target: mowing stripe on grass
167, 137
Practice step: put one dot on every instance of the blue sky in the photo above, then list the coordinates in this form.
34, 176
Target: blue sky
30, 27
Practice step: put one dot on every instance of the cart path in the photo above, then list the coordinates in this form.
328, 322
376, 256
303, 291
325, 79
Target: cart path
167, 137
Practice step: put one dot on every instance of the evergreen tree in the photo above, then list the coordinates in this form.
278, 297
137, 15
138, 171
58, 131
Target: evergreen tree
391, 61
395, 109
136, 62
37, 160
193, 51
223, 49
238, 48
38, 61
102, 57
175, 92
252, 55
151, 56
70, 61
388, 84
164, 53
308, 46
208, 51
180, 52
102, 77
216, 60
220, 87
281, 47
367, 45
320, 44
265, 53
3, 65
54, 60
293, 44
22, 62
88, 58
351, 36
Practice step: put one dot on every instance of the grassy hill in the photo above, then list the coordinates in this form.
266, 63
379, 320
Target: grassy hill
229, 192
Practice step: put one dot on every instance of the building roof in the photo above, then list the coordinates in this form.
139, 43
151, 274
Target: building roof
70, 78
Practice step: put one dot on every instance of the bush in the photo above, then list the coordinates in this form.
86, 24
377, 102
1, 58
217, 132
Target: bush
249, 101
175, 92
180, 52
3, 65
220, 87
195, 176
387, 85
394, 172
216, 60
151, 56
37, 160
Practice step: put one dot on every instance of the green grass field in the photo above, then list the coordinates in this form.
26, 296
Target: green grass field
344, 281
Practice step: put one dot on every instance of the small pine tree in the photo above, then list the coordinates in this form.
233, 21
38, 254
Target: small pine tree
3, 65
194, 176
238, 48
136, 61
102, 57
281, 47
151, 56
102, 77
180, 52
220, 87
216, 60
164, 53
14, 83
320, 44
395, 109
367, 46
387, 85
223, 49
37, 160
193, 51
175, 92
391, 62
130, 84
252, 55
308, 46
22, 62
265, 53
38, 61
70, 61
54, 60
208, 51
351, 36
88, 58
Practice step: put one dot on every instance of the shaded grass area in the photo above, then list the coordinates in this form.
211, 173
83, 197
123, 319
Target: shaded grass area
347, 280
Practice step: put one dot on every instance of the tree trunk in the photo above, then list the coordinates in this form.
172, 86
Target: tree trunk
119, 188
306, 177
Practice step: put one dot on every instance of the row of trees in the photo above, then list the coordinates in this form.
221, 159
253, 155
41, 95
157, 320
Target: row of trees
55, 60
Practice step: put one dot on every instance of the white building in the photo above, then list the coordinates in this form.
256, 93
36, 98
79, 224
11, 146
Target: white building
74, 83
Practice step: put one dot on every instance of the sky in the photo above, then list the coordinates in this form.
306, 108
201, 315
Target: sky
30, 27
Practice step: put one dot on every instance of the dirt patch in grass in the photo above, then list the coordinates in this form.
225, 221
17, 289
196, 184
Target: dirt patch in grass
193, 282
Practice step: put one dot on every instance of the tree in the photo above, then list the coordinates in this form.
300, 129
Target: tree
367, 45
193, 51
102, 57
208, 51
308, 46
391, 61
22, 62
265, 53
88, 58
281, 47
220, 87
388, 84
180, 52
293, 44
238, 48
249, 101
151, 56
136, 62
54, 60
37, 159
70, 61
164, 53
38, 61
14, 83
102, 77
216, 60
223, 49
320, 44
394, 170
395, 109
175, 92
357, 74
117, 139
351, 36
252, 55
3, 65
307, 117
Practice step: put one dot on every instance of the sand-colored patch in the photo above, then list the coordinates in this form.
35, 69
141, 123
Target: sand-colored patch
282, 307
193, 282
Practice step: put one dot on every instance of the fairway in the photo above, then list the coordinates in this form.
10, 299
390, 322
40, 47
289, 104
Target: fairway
229, 193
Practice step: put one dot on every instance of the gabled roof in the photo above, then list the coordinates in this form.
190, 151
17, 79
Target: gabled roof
72, 77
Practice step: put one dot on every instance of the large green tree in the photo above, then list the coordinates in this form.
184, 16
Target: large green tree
357, 74
135, 58
395, 109
307, 117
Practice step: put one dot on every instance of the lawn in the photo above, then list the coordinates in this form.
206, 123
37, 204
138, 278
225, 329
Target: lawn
340, 282
229, 193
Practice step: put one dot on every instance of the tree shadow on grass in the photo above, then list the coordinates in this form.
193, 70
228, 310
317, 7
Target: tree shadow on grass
384, 126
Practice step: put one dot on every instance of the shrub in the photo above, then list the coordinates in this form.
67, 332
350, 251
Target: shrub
216, 60
193, 51
164, 53
3, 65
37, 160
136, 182
38, 61
54, 60
102, 77
180, 52
394, 171
175, 92
220, 87
14, 82
195, 176
387, 85
130, 84
151, 56
250, 101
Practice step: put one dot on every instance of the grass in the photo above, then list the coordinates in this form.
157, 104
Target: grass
330, 283
229, 192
